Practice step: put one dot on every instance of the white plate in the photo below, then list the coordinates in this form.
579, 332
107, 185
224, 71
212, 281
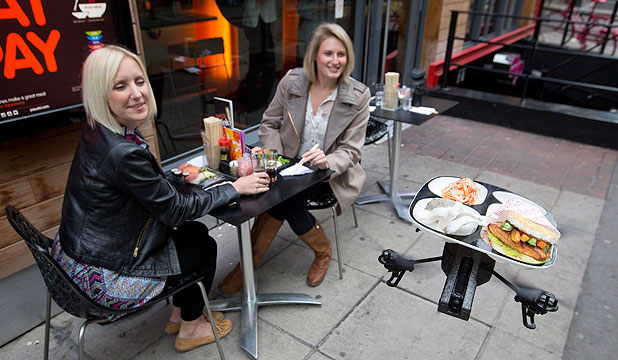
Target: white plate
504, 196
440, 183
421, 204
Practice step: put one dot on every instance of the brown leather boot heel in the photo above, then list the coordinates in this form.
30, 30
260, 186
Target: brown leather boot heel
232, 282
317, 240
262, 234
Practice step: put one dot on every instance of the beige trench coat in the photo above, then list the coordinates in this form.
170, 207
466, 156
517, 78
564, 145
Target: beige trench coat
344, 137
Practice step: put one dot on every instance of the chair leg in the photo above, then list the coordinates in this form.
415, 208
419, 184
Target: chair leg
47, 326
334, 211
80, 338
354, 214
229, 84
212, 323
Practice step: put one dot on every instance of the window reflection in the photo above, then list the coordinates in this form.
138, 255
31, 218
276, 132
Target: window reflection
196, 50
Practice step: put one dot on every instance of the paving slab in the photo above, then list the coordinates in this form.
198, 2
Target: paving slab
273, 343
31, 345
419, 169
310, 323
543, 195
578, 211
361, 246
592, 332
502, 345
414, 330
375, 158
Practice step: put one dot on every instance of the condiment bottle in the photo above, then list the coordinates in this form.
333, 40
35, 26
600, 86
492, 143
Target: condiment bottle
224, 149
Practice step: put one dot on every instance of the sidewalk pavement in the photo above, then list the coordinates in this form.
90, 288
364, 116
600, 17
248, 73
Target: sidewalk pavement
361, 317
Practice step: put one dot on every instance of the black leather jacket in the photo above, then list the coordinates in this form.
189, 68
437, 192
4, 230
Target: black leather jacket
118, 207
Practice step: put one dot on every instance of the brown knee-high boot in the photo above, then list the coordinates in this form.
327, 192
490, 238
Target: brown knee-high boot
262, 234
317, 240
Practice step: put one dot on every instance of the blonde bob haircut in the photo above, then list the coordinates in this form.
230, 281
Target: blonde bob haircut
98, 75
321, 33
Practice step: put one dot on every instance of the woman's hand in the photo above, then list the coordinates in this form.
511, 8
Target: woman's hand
252, 184
256, 149
317, 158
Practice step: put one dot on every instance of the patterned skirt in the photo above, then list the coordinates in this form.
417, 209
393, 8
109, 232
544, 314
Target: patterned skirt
108, 287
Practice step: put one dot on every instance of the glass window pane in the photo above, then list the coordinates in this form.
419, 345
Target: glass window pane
239, 50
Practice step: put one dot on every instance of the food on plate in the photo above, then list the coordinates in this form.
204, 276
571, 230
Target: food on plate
522, 238
193, 174
186, 167
282, 161
200, 177
449, 216
463, 190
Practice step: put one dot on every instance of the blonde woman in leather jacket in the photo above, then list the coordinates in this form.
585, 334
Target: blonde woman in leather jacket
126, 232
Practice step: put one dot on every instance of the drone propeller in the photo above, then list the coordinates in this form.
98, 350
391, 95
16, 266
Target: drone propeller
397, 265
533, 301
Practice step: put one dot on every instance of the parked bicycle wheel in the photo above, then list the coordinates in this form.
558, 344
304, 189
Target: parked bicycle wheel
596, 37
555, 25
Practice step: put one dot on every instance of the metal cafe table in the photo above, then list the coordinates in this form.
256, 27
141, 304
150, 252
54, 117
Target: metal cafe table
399, 116
239, 216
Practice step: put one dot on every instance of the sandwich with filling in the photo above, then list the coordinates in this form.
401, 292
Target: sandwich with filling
522, 238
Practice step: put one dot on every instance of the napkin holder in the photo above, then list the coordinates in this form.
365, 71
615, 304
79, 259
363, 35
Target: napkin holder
391, 90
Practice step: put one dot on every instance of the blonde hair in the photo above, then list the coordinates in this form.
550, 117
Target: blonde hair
98, 73
321, 33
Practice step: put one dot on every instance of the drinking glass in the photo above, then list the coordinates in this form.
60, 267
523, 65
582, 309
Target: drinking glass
270, 162
379, 95
259, 164
405, 97
245, 165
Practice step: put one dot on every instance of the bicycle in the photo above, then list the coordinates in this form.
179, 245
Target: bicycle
589, 29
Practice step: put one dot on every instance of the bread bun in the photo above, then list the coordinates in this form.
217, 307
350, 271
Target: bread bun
532, 228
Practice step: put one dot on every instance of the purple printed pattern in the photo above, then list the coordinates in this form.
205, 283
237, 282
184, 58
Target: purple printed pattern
107, 287
132, 136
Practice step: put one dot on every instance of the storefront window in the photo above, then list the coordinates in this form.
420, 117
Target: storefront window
238, 50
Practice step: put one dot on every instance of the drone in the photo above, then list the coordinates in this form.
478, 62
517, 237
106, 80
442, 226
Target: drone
465, 270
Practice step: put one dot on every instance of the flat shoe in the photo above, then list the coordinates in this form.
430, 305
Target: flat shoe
172, 328
223, 328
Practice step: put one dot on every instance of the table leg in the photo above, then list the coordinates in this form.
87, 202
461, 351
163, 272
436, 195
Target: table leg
250, 301
391, 191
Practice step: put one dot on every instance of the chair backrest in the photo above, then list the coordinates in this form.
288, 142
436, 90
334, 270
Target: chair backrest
207, 47
320, 200
61, 288
375, 130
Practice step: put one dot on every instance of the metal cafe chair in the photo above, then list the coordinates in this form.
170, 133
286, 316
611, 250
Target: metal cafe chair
201, 49
71, 298
326, 200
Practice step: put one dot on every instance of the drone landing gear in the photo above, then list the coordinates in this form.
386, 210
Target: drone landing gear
466, 269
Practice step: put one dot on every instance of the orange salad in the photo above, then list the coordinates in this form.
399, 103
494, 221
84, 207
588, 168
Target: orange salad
463, 190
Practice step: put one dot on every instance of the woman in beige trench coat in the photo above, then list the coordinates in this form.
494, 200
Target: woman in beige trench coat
317, 104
